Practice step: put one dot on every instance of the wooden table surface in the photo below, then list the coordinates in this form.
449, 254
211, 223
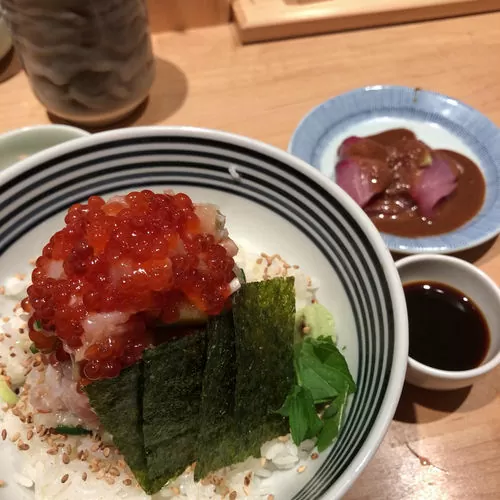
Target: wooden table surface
205, 78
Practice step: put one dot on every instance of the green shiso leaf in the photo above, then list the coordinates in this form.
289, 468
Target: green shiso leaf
321, 368
323, 377
264, 319
217, 441
118, 404
332, 420
173, 375
300, 409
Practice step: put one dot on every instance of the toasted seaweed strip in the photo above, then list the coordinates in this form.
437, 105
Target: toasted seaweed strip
118, 404
173, 375
218, 443
264, 319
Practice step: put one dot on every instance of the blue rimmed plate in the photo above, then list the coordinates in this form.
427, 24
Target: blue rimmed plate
440, 121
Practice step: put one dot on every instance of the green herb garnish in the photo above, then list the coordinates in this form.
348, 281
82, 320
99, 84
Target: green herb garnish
322, 378
7, 394
300, 409
72, 431
34, 349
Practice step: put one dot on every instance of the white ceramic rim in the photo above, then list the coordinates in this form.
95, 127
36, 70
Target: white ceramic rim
399, 362
488, 283
76, 132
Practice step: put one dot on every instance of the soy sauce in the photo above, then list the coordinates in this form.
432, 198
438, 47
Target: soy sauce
447, 329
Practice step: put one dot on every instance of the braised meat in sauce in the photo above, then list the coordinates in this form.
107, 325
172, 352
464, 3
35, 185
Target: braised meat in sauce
408, 188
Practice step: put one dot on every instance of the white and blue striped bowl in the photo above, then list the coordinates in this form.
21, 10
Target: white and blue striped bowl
440, 121
274, 203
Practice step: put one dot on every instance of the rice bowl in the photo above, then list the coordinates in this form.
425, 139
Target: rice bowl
361, 289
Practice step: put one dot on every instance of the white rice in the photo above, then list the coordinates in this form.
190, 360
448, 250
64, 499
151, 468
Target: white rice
90, 468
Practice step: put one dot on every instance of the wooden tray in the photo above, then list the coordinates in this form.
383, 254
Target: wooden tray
259, 20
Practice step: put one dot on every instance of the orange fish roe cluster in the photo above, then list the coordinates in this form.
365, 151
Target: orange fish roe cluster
143, 255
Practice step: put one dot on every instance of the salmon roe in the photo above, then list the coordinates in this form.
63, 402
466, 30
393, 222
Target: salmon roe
143, 255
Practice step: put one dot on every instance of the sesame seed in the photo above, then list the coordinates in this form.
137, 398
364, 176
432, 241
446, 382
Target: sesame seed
106, 452
314, 456
114, 471
94, 447
127, 482
52, 451
4, 434
64, 478
110, 480
29, 436
23, 446
175, 490
65, 458
12, 354
101, 474
301, 469
283, 439
233, 495
69, 449
84, 476
15, 437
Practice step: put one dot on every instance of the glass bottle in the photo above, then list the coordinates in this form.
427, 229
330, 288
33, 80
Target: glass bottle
88, 61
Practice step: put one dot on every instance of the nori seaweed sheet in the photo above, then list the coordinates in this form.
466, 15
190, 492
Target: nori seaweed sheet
217, 442
249, 373
118, 404
215, 404
173, 375
264, 319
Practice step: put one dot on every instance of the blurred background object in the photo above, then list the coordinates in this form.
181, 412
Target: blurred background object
88, 62
18, 144
260, 20
5, 40
179, 15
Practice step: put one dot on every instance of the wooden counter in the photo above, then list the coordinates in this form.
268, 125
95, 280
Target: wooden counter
205, 78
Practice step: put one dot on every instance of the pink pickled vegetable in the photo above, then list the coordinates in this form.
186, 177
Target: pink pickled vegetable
362, 147
344, 148
362, 178
434, 183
